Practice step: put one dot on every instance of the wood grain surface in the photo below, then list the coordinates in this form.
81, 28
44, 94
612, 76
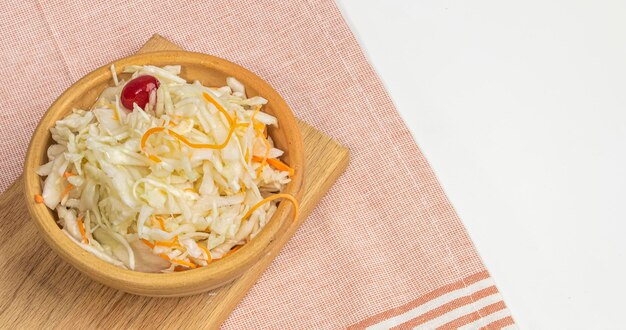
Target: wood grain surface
39, 290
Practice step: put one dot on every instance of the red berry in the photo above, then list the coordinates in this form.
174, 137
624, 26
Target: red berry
138, 91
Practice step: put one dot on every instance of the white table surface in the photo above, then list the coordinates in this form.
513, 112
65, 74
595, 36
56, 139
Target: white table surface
520, 107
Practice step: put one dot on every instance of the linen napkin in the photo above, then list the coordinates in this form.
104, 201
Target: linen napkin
383, 249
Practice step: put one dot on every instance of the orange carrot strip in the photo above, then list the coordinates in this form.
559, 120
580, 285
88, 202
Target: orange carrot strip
258, 171
148, 243
147, 134
255, 112
257, 159
232, 122
39, 199
144, 139
264, 159
184, 263
164, 256
259, 127
208, 254
67, 190
68, 174
276, 163
81, 228
166, 244
271, 198
219, 108
203, 145
281, 166
232, 251
159, 219
184, 140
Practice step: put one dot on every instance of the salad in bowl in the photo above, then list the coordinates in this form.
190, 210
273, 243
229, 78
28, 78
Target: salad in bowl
162, 174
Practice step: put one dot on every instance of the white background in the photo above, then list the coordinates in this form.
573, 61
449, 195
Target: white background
520, 107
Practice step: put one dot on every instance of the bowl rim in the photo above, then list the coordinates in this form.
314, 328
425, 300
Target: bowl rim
162, 284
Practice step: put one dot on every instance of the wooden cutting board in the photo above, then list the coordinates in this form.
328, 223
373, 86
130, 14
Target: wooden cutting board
39, 290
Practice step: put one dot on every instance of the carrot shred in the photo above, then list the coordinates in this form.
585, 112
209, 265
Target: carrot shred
233, 250
281, 166
68, 174
147, 134
208, 254
259, 126
154, 158
258, 108
257, 159
164, 256
145, 241
39, 199
81, 228
271, 198
161, 223
67, 190
203, 145
219, 107
276, 163
264, 159
231, 122
179, 269
166, 244
184, 263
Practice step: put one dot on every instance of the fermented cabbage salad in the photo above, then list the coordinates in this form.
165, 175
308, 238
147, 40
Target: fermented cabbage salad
163, 175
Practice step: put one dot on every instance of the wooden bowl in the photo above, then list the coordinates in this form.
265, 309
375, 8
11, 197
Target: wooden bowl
210, 71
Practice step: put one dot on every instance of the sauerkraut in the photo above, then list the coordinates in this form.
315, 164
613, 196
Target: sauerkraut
172, 185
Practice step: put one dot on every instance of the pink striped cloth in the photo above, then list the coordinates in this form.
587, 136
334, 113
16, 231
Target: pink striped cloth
384, 249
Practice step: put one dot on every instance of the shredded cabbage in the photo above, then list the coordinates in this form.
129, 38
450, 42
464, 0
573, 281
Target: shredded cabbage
147, 189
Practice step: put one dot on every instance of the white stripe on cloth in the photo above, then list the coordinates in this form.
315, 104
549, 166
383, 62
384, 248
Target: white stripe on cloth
486, 320
432, 304
461, 311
